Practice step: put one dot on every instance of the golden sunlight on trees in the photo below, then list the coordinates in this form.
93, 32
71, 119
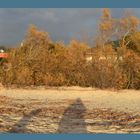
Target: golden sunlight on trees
114, 61
134, 42
106, 13
105, 27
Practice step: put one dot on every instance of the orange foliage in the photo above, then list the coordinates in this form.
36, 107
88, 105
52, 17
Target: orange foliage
40, 61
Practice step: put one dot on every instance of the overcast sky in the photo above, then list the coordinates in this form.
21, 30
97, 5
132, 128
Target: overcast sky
60, 23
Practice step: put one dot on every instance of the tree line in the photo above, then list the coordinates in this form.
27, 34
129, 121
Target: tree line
115, 57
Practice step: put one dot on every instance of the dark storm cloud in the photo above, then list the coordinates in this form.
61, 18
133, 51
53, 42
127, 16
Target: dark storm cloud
62, 24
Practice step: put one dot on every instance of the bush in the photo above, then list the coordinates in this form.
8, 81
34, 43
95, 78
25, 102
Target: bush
39, 61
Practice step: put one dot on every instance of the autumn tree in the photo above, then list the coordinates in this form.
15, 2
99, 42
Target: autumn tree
41, 61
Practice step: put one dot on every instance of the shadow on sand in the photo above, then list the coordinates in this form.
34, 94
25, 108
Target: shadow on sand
73, 119
20, 126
